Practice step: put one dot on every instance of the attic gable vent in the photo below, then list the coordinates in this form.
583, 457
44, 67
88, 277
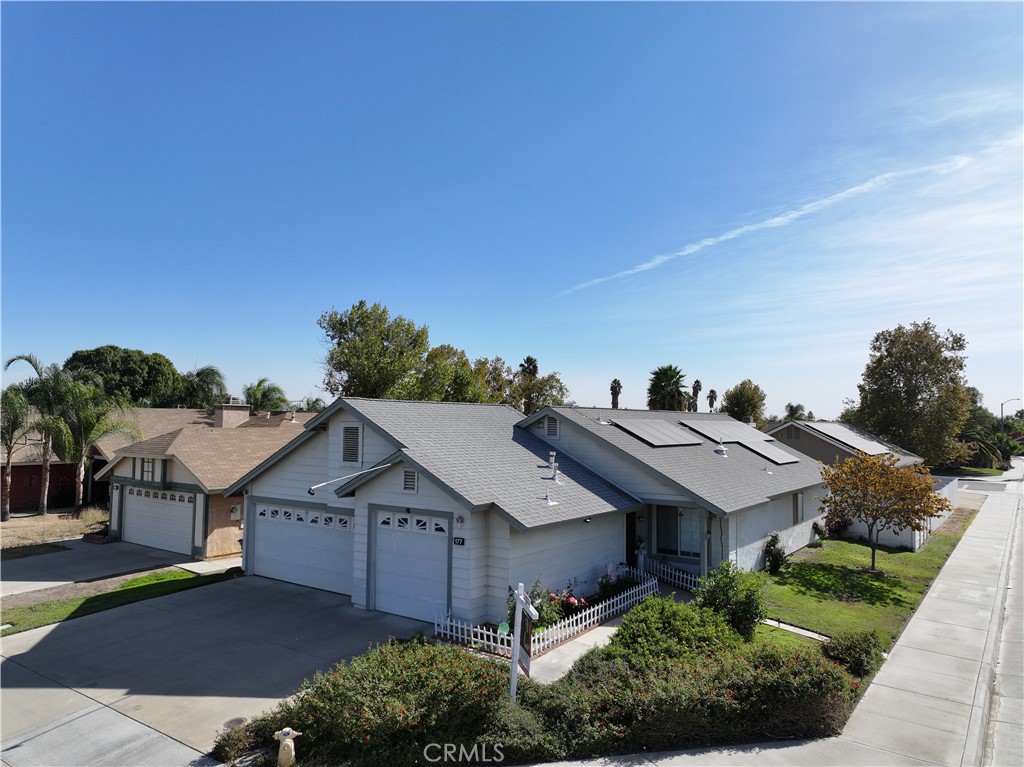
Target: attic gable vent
551, 427
350, 444
409, 481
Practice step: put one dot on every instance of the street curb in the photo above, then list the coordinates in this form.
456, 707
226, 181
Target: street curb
977, 729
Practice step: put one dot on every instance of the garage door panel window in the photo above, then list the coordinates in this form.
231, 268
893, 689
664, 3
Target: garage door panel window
421, 524
440, 528
402, 523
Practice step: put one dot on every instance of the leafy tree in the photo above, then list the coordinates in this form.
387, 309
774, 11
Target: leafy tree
665, 390
873, 490
695, 389
264, 396
88, 414
371, 354
616, 389
15, 426
712, 399
448, 376
145, 380
745, 401
530, 391
913, 393
202, 388
494, 380
47, 393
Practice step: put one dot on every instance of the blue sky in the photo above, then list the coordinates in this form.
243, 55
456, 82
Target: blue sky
742, 190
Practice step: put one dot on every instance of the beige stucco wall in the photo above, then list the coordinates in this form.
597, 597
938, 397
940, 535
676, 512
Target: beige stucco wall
223, 536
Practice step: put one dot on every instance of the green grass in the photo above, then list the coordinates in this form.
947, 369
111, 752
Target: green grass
135, 590
971, 471
830, 590
772, 635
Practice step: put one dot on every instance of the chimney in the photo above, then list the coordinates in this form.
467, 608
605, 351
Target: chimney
230, 416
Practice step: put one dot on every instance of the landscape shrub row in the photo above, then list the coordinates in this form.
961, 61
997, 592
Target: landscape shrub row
674, 676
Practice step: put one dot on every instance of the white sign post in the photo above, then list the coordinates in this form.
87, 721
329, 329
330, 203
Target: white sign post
522, 603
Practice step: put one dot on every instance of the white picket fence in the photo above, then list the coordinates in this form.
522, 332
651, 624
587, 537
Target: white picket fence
489, 640
670, 575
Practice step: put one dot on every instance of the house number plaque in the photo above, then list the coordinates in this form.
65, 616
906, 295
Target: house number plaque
459, 541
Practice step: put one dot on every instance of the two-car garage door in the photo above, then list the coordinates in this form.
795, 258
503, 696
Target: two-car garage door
410, 555
159, 519
313, 548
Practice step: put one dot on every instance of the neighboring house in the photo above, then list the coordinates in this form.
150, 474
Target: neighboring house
167, 490
427, 508
832, 442
26, 475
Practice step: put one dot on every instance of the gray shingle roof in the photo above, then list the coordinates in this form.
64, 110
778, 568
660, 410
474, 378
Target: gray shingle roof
478, 452
739, 481
855, 439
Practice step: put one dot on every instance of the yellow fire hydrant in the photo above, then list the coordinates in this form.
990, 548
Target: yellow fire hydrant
286, 751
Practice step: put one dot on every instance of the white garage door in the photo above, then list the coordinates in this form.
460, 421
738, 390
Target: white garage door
411, 570
159, 519
312, 548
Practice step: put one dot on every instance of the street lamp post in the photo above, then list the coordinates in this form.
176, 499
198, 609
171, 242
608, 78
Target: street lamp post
1002, 429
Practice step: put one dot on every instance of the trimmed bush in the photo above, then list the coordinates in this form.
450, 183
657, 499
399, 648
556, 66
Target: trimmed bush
735, 595
660, 629
774, 554
859, 652
385, 706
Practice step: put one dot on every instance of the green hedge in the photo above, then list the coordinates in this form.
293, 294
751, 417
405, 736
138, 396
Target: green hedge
698, 685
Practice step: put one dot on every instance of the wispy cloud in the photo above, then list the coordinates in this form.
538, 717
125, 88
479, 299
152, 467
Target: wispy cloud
784, 219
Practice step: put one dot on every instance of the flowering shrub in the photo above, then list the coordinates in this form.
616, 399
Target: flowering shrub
734, 594
859, 652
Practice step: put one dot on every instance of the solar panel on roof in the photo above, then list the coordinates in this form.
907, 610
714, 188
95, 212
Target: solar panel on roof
773, 453
727, 431
840, 433
657, 433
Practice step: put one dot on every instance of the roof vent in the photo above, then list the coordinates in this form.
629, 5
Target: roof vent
722, 450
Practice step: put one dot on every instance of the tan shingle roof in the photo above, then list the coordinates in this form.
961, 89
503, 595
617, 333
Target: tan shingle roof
216, 456
152, 422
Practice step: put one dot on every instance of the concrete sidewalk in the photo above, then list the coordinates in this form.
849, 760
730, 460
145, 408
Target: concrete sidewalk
950, 691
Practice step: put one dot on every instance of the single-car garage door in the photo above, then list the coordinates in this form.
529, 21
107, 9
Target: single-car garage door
411, 565
312, 548
159, 519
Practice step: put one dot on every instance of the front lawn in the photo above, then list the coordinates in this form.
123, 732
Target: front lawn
830, 590
145, 587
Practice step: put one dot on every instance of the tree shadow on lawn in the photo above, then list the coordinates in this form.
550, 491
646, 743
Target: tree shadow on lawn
826, 581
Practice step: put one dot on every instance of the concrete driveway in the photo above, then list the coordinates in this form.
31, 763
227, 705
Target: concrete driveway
84, 561
183, 664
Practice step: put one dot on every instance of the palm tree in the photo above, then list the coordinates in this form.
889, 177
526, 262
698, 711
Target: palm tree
795, 412
712, 399
616, 391
310, 404
46, 393
529, 367
665, 390
203, 388
88, 415
695, 388
15, 426
265, 396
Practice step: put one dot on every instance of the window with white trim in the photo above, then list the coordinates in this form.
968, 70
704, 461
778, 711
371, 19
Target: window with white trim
409, 482
385, 520
677, 531
402, 523
440, 528
350, 444
421, 524
343, 523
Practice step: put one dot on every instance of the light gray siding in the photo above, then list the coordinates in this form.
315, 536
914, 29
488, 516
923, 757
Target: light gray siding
751, 527
573, 552
292, 476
